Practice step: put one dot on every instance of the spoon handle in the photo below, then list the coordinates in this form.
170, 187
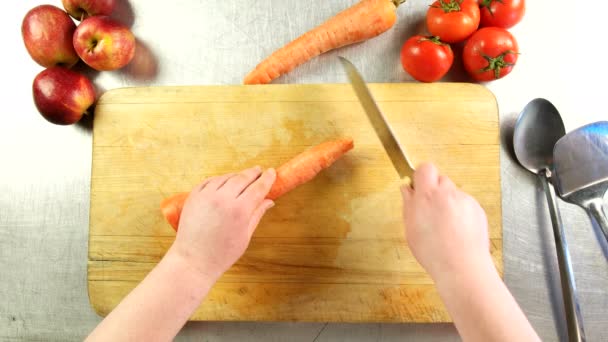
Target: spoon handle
573, 313
595, 208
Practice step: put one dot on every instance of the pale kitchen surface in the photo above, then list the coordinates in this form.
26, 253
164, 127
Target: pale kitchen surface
45, 176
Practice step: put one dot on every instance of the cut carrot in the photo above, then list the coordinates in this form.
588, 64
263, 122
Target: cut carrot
364, 20
171, 207
307, 165
290, 175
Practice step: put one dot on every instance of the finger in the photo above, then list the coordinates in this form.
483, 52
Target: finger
446, 182
407, 194
426, 176
237, 184
257, 215
203, 184
206, 182
257, 190
218, 182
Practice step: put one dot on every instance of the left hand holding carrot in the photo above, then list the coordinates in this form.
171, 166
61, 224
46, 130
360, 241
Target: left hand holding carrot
219, 217
297, 171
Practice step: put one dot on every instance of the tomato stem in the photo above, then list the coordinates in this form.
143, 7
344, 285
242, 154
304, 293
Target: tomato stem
433, 39
497, 63
449, 5
487, 4
397, 2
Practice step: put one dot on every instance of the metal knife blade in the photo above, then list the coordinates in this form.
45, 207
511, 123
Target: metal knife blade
383, 130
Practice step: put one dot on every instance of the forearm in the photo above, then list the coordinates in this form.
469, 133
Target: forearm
159, 306
482, 307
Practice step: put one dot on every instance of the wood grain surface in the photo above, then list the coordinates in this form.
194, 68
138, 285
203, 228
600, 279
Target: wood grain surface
332, 250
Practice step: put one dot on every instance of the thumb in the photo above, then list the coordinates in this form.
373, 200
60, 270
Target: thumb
257, 215
407, 194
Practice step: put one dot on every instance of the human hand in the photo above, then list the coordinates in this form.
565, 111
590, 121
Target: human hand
446, 228
219, 218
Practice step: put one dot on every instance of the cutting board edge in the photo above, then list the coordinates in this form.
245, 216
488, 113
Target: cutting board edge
105, 98
434, 314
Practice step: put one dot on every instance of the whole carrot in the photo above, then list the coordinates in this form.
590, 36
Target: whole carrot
290, 175
362, 21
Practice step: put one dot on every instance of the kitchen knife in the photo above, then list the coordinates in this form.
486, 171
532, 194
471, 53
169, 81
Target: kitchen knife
383, 130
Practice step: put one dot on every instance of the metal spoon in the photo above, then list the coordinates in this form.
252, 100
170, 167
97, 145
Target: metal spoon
538, 127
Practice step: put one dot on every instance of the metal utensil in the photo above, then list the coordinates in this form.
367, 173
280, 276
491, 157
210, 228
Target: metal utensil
581, 169
538, 127
383, 130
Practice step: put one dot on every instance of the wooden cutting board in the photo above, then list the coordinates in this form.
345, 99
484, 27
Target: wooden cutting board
334, 249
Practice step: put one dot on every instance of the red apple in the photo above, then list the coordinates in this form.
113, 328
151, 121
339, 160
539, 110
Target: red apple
62, 95
81, 9
47, 32
103, 43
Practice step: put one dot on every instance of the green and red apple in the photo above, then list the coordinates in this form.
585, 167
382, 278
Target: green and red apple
81, 9
62, 96
47, 32
103, 43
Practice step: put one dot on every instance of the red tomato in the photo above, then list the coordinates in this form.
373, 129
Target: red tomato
502, 13
426, 58
453, 21
490, 54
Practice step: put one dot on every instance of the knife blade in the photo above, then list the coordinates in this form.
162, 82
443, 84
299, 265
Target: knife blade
383, 130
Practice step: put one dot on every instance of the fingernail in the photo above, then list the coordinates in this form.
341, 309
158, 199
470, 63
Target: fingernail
270, 205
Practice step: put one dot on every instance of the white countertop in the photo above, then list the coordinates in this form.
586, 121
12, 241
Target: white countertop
45, 173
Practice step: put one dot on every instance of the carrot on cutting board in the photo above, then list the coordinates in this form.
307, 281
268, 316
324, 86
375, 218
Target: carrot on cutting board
299, 170
306, 165
171, 208
364, 20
